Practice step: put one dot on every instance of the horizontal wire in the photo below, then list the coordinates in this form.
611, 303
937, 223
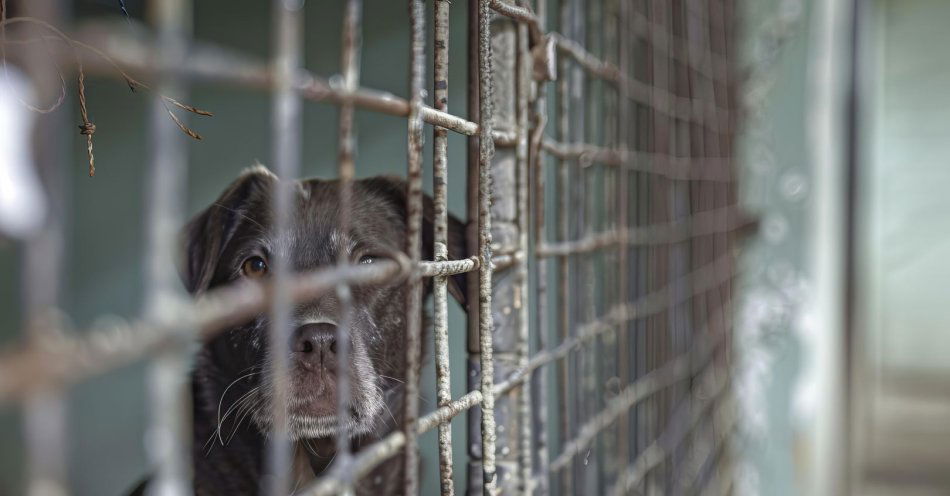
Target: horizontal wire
703, 279
654, 454
63, 358
207, 62
682, 168
684, 366
641, 26
717, 221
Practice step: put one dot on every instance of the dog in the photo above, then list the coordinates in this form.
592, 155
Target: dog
234, 239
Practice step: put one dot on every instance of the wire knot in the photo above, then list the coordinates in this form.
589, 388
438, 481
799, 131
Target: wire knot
87, 128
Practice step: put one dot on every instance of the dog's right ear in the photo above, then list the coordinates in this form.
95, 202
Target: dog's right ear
208, 233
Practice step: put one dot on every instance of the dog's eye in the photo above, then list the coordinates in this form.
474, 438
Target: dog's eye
368, 259
254, 267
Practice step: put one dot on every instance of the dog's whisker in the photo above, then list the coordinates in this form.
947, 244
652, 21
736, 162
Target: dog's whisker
391, 378
247, 412
236, 405
229, 386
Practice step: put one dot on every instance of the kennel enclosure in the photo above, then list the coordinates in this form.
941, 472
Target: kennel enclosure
601, 214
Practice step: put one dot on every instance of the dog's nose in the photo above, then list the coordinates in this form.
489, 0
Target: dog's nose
315, 342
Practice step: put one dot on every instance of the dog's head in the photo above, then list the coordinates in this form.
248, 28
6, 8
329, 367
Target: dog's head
235, 239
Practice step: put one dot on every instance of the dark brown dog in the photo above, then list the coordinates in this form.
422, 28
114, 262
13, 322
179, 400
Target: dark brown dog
234, 239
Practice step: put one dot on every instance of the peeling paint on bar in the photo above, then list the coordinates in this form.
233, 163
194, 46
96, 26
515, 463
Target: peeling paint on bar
448, 267
440, 317
413, 244
485, 324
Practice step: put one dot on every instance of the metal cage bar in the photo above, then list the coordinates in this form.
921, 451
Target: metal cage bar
287, 139
168, 394
440, 250
45, 410
643, 118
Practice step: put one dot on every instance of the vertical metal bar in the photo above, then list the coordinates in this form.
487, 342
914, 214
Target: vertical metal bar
286, 130
583, 130
540, 383
486, 150
350, 64
169, 433
681, 331
44, 412
413, 248
522, 90
624, 138
563, 219
655, 257
440, 247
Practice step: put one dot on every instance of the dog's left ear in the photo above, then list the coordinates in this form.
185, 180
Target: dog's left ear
207, 234
397, 189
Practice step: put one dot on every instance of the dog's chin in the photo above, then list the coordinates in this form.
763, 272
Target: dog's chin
314, 427
313, 421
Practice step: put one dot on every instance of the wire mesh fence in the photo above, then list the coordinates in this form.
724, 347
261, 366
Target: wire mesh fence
602, 212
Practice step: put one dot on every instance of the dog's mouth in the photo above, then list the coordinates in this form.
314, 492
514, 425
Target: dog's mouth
314, 394
316, 416
312, 409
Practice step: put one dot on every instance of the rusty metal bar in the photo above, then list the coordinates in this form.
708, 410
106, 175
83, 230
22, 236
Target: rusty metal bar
286, 130
413, 243
440, 91
169, 395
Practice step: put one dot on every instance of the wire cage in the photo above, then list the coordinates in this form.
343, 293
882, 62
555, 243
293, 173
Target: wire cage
602, 215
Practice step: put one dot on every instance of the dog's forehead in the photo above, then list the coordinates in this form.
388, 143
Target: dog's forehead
372, 216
